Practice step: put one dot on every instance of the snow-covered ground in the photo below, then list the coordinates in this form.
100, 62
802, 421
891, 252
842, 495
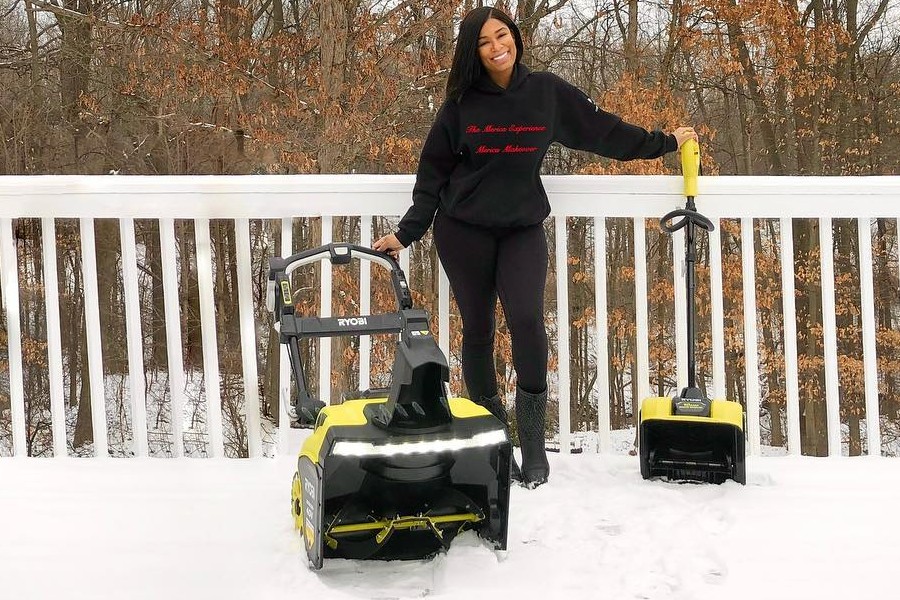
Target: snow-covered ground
123, 529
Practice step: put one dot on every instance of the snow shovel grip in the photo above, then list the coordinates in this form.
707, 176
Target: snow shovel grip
690, 166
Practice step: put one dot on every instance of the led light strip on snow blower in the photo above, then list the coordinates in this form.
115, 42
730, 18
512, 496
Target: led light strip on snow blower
363, 449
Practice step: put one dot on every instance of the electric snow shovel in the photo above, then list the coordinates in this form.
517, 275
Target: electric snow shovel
690, 437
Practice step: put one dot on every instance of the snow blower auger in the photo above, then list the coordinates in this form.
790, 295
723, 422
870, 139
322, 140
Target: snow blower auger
690, 437
395, 477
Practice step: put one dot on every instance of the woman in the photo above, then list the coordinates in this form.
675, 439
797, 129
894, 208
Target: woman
478, 180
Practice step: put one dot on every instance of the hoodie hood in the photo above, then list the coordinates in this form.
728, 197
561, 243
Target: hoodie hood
486, 84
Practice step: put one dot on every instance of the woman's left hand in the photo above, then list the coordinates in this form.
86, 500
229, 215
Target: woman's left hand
683, 134
389, 244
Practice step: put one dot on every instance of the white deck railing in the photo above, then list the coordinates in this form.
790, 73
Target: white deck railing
285, 197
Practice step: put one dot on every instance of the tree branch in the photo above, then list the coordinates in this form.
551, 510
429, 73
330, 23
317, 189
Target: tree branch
184, 43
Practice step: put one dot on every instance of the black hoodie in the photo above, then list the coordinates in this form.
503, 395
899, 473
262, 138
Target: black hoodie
481, 161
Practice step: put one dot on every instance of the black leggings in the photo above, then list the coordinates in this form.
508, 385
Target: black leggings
482, 262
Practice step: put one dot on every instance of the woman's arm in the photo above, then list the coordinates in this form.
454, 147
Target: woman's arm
582, 125
436, 163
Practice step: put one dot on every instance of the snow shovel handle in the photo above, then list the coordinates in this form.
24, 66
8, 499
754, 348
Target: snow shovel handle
690, 216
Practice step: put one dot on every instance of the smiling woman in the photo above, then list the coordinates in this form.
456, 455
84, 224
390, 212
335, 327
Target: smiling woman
479, 182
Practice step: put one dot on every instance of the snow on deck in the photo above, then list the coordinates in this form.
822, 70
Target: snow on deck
221, 529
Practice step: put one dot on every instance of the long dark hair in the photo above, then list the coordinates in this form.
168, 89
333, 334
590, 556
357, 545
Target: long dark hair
466, 68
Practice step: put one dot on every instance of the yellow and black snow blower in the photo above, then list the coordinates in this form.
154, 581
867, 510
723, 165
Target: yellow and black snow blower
690, 437
392, 474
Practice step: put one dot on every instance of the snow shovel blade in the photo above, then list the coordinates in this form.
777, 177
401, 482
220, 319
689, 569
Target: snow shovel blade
686, 447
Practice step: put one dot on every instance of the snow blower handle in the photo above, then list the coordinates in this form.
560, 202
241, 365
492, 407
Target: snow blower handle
292, 328
278, 290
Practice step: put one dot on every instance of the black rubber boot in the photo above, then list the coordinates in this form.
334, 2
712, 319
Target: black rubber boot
496, 408
531, 415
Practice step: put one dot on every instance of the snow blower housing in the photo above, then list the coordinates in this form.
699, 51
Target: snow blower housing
690, 437
395, 477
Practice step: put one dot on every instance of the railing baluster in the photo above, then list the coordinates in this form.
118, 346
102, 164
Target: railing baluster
325, 292
54, 338
135, 338
10, 273
444, 312
642, 335
174, 350
751, 352
404, 264
719, 389
94, 345
284, 366
678, 272
789, 309
829, 330
365, 302
248, 336
601, 385
211, 378
870, 360
562, 331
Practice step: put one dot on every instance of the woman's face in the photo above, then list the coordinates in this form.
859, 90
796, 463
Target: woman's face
497, 49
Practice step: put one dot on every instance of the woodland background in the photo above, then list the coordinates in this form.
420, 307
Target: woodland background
192, 87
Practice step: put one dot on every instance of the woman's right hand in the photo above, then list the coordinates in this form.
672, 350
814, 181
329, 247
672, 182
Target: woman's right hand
389, 244
683, 134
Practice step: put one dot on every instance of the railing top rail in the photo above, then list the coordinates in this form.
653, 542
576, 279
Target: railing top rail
280, 196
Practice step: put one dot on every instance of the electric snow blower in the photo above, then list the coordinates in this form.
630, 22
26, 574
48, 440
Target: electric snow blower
690, 437
395, 475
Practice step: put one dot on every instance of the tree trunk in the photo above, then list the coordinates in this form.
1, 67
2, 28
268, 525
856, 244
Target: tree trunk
157, 325
84, 429
766, 127
813, 421
334, 23
632, 60
111, 303
74, 69
189, 297
855, 437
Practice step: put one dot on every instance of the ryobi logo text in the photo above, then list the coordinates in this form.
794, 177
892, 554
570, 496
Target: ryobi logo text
352, 321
